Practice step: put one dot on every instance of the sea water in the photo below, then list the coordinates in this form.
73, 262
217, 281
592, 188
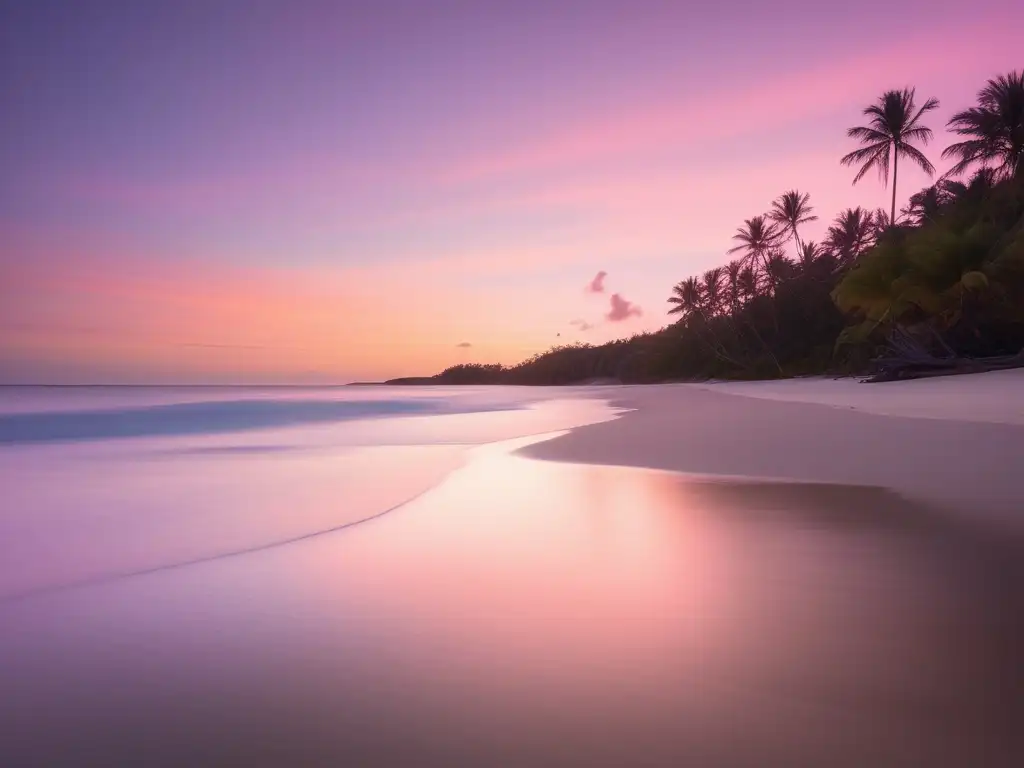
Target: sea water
107, 481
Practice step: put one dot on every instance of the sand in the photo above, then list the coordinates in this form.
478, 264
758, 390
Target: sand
955, 444
996, 397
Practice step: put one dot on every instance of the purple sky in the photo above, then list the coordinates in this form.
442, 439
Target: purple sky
314, 191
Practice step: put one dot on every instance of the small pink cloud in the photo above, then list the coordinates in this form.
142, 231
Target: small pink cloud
464, 345
622, 309
597, 284
581, 325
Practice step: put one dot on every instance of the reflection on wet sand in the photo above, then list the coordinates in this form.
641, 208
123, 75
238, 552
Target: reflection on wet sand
532, 613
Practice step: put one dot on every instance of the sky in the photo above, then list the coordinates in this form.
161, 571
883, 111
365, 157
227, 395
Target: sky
320, 192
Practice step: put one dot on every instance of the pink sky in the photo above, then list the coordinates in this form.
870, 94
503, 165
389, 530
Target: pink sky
323, 212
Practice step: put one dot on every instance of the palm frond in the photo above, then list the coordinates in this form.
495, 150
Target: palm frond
863, 133
994, 129
922, 134
927, 107
918, 157
875, 156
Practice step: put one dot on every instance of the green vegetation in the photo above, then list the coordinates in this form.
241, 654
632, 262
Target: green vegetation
945, 278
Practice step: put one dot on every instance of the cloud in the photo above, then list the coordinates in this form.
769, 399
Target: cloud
464, 345
779, 99
597, 284
622, 309
581, 325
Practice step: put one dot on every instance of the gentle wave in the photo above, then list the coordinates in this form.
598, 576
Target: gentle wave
194, 418
103, 578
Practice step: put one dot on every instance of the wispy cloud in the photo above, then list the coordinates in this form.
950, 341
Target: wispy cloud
621, 309
597, 284
463, 345
781, 99
581, 325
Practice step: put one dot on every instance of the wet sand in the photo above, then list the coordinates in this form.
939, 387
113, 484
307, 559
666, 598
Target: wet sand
572, 613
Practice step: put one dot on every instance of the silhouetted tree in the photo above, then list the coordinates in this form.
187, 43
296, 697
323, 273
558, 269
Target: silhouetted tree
881, 223
712, 291
995, 128
808, 256
850, 235
733, 291
790, 210
757, 237
778, 268
748, 283
890, 134
686, 298
925, 205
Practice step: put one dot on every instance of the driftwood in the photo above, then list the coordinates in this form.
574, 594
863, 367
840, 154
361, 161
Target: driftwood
907, 358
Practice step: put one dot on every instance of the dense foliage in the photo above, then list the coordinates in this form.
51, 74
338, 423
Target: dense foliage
957, 277
949, 270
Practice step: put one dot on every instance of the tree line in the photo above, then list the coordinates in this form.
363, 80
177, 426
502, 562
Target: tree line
947, 269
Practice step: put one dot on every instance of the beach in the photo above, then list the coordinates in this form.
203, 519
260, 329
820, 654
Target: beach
677, 574
955, 443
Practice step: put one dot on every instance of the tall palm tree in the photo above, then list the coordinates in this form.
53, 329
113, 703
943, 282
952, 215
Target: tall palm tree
851, 234
712, 291
995, 128
687, 298
890, 134
790, 210
757, 237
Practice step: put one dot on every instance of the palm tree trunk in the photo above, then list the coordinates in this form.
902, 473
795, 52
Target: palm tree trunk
895, 165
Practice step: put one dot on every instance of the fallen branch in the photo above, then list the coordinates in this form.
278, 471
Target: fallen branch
908, 359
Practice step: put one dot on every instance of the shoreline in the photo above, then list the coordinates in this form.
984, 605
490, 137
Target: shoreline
969, 468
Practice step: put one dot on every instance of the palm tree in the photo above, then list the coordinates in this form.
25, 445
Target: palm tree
712, 291
925, 205
757, 237
733, 292
893, 128
790, 210
995, 128
687, 298
851, 234
748, 283
809, 253
881, 223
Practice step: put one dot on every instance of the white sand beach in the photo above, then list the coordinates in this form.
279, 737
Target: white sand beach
996, 397
955, 442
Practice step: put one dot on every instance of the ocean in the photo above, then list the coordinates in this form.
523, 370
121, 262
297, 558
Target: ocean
107, 481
